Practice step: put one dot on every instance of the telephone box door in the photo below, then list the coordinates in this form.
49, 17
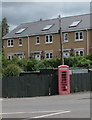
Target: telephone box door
63, 79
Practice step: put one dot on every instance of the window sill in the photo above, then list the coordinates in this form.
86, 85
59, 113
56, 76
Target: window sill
37, 44
10, 46
66, 41
20, 45
76, 40
49, 43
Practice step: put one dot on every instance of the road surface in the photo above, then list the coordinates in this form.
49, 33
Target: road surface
76, 105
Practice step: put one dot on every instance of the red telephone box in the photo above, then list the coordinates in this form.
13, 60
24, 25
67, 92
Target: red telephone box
63, 79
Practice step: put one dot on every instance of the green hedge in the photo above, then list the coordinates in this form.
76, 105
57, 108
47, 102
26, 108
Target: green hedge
12, 70
34, 65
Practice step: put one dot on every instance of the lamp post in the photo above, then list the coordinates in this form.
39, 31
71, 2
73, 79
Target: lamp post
61, 41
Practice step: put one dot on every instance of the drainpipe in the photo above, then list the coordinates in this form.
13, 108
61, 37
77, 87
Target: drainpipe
87, 41
28, 47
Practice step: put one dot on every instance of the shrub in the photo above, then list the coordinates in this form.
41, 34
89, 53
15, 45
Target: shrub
14, 60
22, 63
48, 63
89, 57
42, 64
69, 61
54, 62
8, 66
30, 65
5, 63
84, 63
12, 70
73, 61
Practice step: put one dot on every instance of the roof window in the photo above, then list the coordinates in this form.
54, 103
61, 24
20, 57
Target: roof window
75, 23
47, 27
20, 30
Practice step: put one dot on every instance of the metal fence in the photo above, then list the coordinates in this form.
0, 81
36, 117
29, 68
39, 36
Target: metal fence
42, 83
29, 85
80, 82
0, 87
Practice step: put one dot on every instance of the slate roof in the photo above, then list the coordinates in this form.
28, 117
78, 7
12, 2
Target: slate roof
35, 28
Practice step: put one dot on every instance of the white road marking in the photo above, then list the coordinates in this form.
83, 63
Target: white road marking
25, 112
57, 113
51, 113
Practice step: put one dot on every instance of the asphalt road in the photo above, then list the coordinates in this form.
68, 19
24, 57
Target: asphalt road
60, 106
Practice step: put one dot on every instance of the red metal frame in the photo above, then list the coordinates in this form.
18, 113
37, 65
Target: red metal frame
63, 79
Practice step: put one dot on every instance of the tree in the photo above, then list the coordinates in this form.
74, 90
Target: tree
12, 70
40, 19
4, 29
5, 26
0, 35
0, 30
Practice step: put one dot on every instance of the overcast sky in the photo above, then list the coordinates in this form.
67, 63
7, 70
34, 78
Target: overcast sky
21, 12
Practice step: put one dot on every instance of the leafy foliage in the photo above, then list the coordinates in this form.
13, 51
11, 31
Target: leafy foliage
72, 61
85, 63
12, 70
11, 67
89, 57
22, 63
4, 29
5, 26
42, 64
30, 65
47, 63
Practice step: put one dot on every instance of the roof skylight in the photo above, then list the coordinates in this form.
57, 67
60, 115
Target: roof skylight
20, 30
47, 27
75, 23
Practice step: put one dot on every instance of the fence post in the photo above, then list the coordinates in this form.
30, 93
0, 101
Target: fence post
90, 79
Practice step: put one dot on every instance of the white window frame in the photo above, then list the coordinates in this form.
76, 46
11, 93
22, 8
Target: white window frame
37, 40
49, 54
10, 43
75, 23
38, 56
79, 50
48, 39
20, 30
21, 41
79, 36
47, 27
9, 55
68, 54
65, 37
20, 57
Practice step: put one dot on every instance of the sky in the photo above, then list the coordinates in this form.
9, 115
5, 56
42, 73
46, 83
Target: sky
22, 12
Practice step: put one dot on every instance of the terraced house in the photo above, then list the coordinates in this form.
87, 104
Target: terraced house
41, 39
